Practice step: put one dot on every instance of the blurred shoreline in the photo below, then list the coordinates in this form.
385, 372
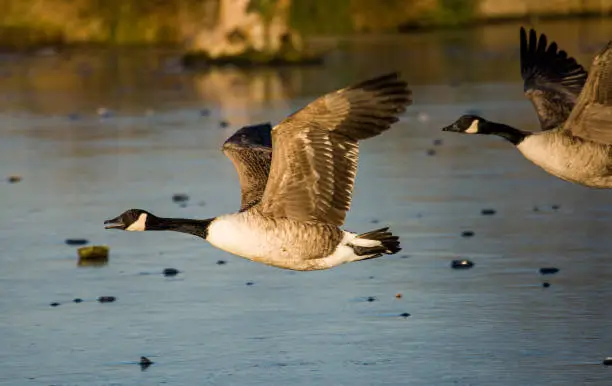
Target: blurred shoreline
51, 25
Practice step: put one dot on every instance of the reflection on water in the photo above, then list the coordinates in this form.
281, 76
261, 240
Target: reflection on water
137, 80
233, 90
492, 324
92, 263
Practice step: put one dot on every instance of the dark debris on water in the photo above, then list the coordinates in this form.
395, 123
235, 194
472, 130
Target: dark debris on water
467, 233
221, 262
14, 179
462, 264
546, 284
404, 315
101, 299
76, 241
145, 362
554, 207
548, 270
171, 272
180, 197
487, 212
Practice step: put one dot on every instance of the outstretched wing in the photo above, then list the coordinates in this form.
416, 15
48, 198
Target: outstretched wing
591, 119
552, 80
250, 150
315, 150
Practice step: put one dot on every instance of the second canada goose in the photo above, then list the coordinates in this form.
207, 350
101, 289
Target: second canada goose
295, 223
575, 113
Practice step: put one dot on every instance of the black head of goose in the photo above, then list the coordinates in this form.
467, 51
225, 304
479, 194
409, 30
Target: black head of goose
296, 198
474, 124
257, 137
574, 109
140, 220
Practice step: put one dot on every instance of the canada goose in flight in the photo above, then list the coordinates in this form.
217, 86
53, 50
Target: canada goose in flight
295, 223
575, 113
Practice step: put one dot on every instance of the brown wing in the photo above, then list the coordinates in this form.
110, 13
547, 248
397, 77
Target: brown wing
250, 150
552, 79
591, 119
315, 150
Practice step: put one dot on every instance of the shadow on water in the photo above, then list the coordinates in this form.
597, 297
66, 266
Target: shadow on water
93, 133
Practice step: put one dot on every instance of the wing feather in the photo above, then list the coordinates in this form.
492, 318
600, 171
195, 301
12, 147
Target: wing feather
315, 150
591, 119
552, 79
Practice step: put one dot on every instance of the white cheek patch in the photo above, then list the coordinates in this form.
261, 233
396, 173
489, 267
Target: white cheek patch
473, 129
138, 225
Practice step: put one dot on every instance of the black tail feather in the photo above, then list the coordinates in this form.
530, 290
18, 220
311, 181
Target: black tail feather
389, 243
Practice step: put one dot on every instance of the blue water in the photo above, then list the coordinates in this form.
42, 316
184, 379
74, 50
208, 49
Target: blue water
493, 324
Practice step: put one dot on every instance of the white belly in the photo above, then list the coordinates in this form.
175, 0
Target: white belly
233, 234
583, 163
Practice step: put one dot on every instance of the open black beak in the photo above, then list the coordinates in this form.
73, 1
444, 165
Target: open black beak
115, 223
454, 128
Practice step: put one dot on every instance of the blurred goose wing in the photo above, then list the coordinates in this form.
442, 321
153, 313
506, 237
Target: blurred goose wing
552, 79
591, 119
315, 150
250, 150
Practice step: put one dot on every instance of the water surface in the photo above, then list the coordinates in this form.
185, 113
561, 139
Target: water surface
492, 324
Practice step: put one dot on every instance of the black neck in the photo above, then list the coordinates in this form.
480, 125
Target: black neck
512, 135
184, 225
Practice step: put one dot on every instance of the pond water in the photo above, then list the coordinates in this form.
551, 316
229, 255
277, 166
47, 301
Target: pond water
94, 133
